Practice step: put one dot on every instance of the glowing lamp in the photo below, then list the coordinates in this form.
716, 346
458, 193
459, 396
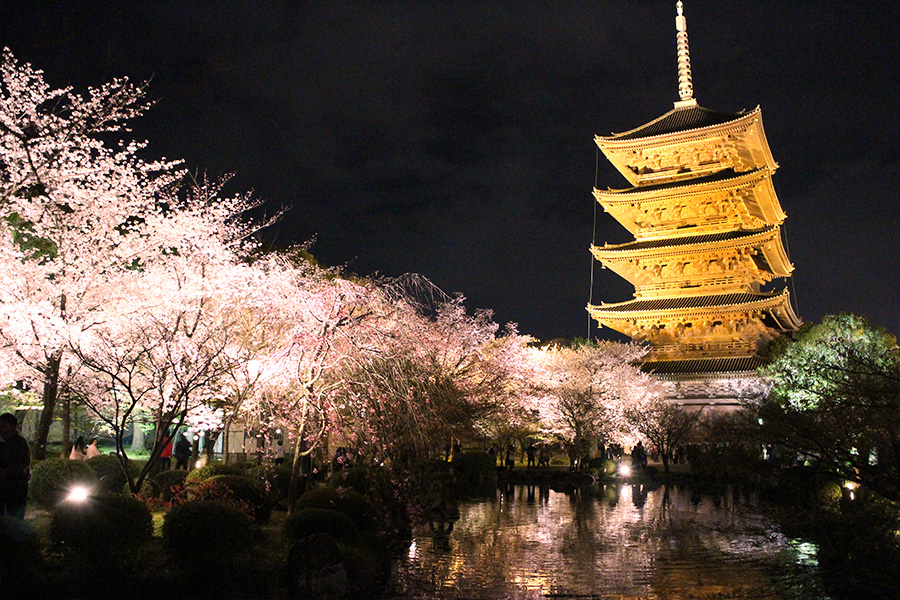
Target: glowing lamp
624, 470
79, 493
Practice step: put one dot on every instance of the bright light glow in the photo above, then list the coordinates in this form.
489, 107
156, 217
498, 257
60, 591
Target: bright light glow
624, 470
79, 493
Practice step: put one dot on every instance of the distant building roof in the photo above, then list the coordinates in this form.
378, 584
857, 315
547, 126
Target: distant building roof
678, 119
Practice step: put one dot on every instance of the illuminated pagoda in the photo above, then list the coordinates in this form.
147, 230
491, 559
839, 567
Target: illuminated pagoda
707, 240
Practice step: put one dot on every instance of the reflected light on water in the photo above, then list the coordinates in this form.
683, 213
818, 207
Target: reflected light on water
625, 541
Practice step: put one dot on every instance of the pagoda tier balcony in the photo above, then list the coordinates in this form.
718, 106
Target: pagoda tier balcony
689, 142
724, 324
727, 261
722, 201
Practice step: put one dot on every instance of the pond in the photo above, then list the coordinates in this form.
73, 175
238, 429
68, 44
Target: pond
620, 542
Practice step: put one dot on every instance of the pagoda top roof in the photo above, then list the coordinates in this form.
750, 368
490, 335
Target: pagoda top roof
688, 302
684, 241
729, 364
676, 120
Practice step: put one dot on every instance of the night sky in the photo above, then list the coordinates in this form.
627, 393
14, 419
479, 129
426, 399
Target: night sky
455, 139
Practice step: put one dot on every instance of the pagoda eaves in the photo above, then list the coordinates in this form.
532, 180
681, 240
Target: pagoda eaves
724, 199
739, 144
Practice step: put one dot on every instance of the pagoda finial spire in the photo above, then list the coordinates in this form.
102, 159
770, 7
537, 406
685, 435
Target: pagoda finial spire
685, 86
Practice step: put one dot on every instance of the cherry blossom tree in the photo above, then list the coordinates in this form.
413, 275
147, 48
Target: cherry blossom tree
72, 210
589, 387
663, 423
170, 331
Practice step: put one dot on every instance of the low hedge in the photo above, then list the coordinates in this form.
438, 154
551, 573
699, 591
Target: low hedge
52, 478
110, 477
202, 531
211, 470
350, 502
275, 479
248, 492
22, 564
307, 521
166, 480
105, 526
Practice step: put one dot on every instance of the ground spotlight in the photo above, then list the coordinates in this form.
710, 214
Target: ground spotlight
624, 470
78, 493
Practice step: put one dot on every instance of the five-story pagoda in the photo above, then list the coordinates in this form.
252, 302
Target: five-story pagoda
706, 223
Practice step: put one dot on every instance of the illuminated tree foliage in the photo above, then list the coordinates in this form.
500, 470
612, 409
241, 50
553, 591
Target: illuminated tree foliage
836, 400
662, 423
73, 211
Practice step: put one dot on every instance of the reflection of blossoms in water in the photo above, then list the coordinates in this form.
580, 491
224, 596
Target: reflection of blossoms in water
629, 541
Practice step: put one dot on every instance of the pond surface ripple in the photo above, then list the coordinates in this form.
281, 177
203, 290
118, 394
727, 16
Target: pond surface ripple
626, 542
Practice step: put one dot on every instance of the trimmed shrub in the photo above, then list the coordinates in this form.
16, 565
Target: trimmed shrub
274, 478
350, 502
308, 521
200, 531
211, 470
316, 568
110, 477
248, 493
21, 561
52, 478
165, 481
104, 526
355, 477
377, 484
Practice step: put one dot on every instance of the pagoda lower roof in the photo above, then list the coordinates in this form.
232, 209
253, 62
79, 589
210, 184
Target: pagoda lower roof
684, 241
730, 364
676, 120
723, 175
686, 302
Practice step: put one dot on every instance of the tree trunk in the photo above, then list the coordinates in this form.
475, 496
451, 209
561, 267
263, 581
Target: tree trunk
138, 440
665, 461
49, 397
298, 480
210, 445
66, 426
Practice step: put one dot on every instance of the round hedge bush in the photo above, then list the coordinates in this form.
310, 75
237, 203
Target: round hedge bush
104, 526
52, 478
246, 491
276, 479
110, 477
211, 470
350, 502
200, 530
149, 489
22, 564
166, 480
308, 521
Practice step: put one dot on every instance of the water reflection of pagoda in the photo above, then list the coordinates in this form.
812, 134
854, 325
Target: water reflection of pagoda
707, 241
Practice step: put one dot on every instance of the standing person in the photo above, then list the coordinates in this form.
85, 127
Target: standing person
15, 468
78, 449
166, 454
279, 453
510, 457
182, 453
92, 450
530, 452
